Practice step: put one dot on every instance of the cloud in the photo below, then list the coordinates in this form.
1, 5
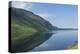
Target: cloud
20, 4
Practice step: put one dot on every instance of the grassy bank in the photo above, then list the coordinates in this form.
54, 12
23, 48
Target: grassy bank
74, 46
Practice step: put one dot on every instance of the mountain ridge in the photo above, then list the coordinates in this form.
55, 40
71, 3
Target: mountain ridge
29, 16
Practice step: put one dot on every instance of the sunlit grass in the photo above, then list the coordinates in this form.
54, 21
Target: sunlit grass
19, 31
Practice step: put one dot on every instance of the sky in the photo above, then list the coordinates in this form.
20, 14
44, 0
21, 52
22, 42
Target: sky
60, 15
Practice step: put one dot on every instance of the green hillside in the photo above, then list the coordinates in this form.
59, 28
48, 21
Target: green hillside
24, 24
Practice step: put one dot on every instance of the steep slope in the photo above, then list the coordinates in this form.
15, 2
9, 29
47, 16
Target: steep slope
24, 25
30, 19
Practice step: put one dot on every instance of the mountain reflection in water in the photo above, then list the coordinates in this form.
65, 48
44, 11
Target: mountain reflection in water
33, 41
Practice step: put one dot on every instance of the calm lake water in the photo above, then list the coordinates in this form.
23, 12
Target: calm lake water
56, 40
59, 41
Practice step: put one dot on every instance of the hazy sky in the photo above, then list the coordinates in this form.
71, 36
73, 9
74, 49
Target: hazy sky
60, 15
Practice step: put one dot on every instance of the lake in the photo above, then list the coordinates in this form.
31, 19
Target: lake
55, 40
61, 40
